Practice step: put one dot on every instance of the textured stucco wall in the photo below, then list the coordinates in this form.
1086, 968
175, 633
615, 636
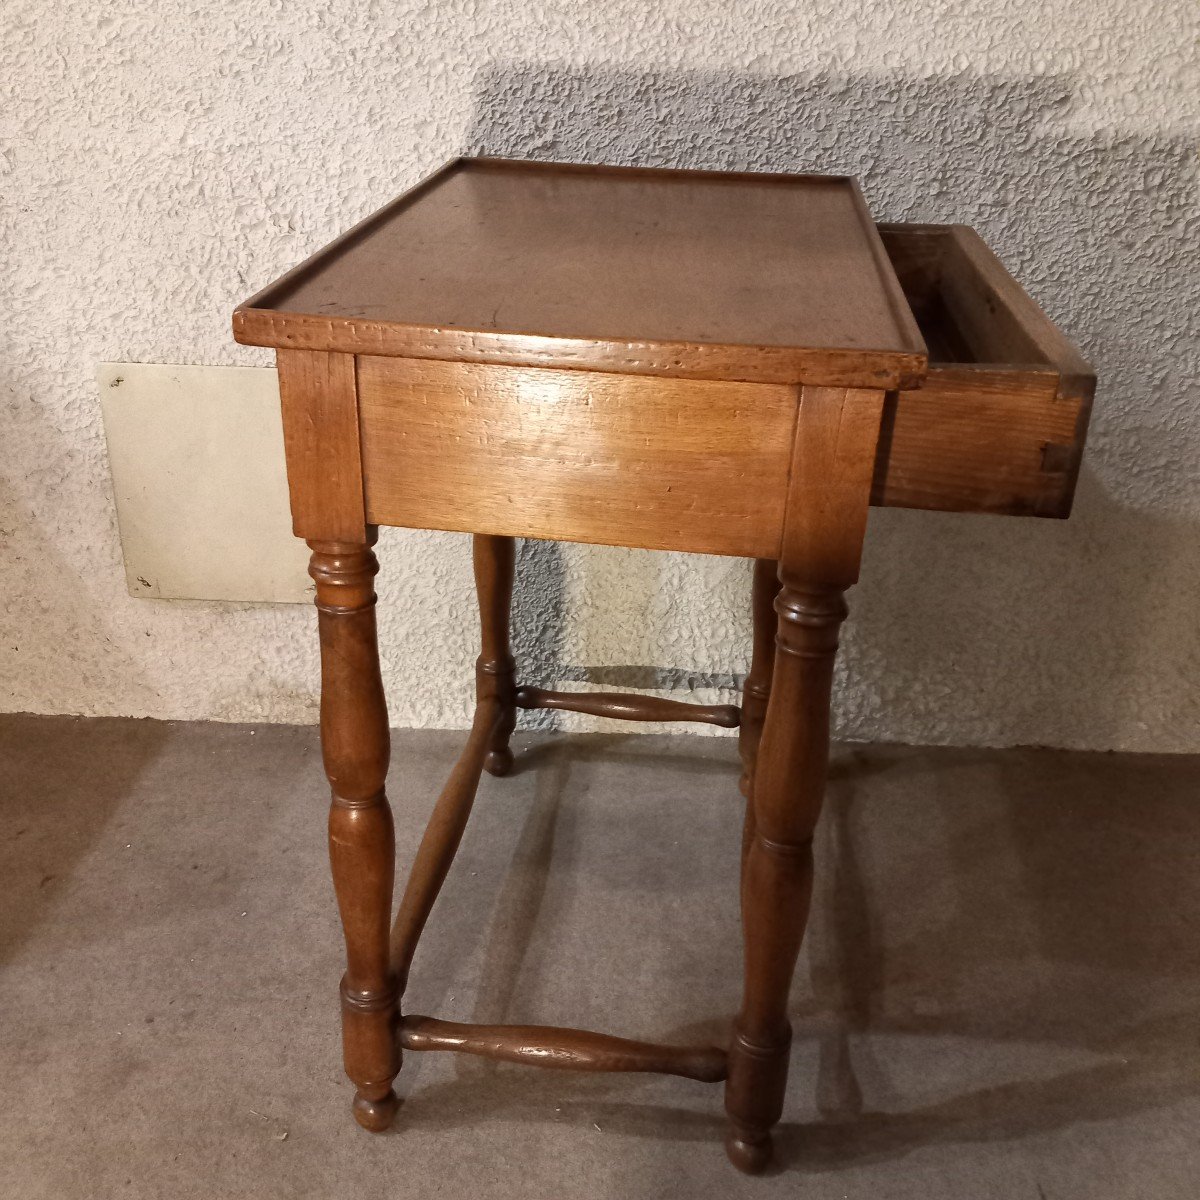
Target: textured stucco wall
159, 161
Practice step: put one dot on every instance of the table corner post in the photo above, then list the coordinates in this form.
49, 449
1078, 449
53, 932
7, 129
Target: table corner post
825, 521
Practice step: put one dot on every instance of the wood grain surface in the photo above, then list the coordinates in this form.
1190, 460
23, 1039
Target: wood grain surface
998, 425
562, 1049
773, 278
320, 440
720, 363
576, 456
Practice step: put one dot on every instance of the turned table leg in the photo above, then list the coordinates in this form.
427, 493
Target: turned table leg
828, 497
355, 748
789, 783
495, 670
757, 689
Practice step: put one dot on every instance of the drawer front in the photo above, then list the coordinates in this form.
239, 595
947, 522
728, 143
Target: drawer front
980, 440
998, 426
576, 455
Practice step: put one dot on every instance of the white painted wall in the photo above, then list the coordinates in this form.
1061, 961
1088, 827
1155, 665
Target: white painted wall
161, 160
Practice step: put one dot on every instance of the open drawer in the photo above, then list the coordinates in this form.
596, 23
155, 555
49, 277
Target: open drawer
998, 425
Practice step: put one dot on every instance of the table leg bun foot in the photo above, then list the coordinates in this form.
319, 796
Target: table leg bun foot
373, 1114
499, 762
749, 1150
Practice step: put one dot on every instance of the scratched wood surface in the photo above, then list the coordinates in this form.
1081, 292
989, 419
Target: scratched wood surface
997, 426
725, 276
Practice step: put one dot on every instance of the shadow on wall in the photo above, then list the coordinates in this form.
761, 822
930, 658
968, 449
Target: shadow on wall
965, 628
539, 620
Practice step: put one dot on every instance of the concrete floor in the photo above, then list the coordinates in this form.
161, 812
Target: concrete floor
1000, 995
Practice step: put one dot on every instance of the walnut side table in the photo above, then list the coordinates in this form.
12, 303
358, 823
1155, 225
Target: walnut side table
718, 363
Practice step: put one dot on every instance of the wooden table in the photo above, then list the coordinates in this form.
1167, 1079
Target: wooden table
719, 363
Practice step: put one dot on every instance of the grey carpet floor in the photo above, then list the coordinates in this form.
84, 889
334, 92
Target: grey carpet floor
1000, 995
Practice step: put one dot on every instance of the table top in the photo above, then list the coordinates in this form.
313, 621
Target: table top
769, 278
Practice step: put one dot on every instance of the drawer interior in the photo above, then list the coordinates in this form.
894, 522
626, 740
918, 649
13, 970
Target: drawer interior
998, 423
969, 309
